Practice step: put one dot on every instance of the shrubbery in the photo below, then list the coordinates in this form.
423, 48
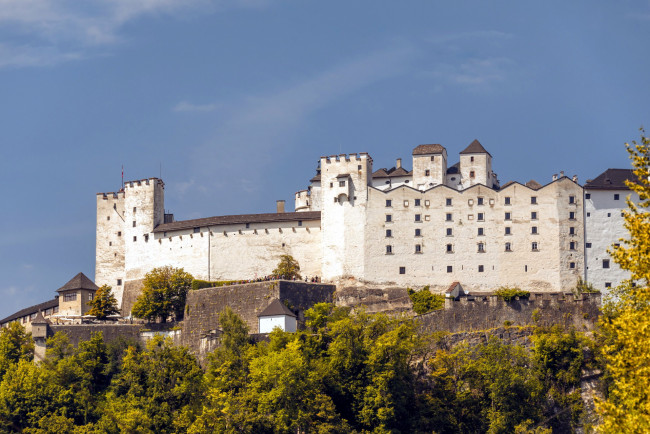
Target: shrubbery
425, 301
509, 293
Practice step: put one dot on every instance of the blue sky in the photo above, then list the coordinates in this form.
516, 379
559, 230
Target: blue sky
237, 100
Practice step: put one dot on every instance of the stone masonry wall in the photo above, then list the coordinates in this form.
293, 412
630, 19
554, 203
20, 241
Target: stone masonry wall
83, 332
488, 312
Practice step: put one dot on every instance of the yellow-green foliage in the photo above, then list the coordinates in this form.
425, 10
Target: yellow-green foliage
626, 320
288, 268
509, 293
104, 303
163, 295
425, 301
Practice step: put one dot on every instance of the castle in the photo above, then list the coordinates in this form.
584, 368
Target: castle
434, 225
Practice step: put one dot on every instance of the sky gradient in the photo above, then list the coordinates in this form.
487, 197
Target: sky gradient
235, 101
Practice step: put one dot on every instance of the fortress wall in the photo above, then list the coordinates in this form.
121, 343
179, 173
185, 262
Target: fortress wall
489, 312
111, 332
109, 242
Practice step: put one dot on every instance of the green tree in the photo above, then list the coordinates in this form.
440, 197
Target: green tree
425, 301
15, 345
626, 319
104, 303
287, 268
163, 294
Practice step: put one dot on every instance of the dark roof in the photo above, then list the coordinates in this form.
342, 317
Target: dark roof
533, 185
276, 308
453, 169
80, 281
452, 287
39, 319
475, 148
30, 310
316, 178
507, 184
343, 175
236, 219
612, 179
428, 149
390, 173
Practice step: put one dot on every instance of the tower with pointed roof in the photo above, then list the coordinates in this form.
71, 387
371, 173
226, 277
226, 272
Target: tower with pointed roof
476, 166
75, 295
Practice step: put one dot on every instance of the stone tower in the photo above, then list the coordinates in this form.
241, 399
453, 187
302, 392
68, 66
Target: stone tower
476, 166
39, 335
109, 247
429, 166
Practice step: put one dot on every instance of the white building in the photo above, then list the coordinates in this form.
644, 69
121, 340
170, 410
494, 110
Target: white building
277, 315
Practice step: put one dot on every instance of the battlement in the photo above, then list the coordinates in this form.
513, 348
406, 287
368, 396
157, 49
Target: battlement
146, 181
114, 195
346, 157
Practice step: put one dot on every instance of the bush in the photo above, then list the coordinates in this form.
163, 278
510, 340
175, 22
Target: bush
509, 293
584, 287
200, 284
424, 301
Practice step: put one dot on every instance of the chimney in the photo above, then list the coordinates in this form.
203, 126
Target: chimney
575, 178
280, 206
398, 164
555, 177
561, 173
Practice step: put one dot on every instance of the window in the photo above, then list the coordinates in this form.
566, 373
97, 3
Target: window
108, 217
417, 202
507, 200
508, 230
389, 233
197, 230
70, 297
609, 214
427, 172
389, 203
572, 265
479, 201
605, 263
572, 230
471, 158
508, 247
588, 214
135, 238
341, 183
146, 238
608, 284
402, 270
448, 201
332, 184
471, 173
534, 246
426, 203
481, 231
572, 215
572, 245
588, 196
480, 268
533, 215
133, 223
134, 208
418, 233
508, 216
433, 157
533, 200
588, 245
450, 232
450, 269
406, 203
119, 282
448, 217
450, 248
418, 248
616, 197
389, 218
91, 296
418, 217
481, 247
533, 230
389, 250
572, 199
481, 217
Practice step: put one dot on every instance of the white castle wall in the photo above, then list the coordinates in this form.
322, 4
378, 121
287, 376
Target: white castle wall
604, 228
109, 242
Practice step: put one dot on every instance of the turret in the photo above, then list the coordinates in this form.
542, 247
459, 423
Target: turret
476, 166
39, 335
429, 166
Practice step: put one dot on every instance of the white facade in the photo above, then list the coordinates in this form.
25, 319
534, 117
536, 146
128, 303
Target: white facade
284, 322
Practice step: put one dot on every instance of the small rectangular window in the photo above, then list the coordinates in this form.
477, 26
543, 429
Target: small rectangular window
448, 201
389, 203
433, 158
450, 232
70, 297
134, 208
588, 214
533, 200
119, 282
572, 215
479, 201
508, 216
480, 268
450, 269
605, 263
450, 248
299, 223
418, 233
572, 230
572, 199
481, 247
508, 247
406, 203
481, 231
572, 265
359, 167
341, 183
402, 270
135, 238
617, 196
427, 172
426, 203
533, 215
417, 202
588, 245
572, 245
389, 233
534, 246
481, 217
533, 230
448, 217
608, 284
110, 243
197, 230
588, 196
389, 250
507, 200
146, 238
508, 230
471, 173
133, 223
609, 214
108, 217
418, 217
389, 218
418, 248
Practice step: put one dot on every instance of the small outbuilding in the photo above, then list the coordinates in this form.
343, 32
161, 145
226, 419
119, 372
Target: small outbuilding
75, 295
277, 315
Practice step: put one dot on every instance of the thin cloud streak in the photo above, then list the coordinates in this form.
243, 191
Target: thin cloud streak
185, 106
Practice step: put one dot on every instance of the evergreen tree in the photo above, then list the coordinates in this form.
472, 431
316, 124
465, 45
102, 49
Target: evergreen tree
104, 303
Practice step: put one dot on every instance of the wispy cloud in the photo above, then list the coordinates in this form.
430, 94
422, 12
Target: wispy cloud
54, 31
473, 74
185, 106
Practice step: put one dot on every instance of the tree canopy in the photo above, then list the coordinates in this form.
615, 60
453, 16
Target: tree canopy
104, 303
163, 294
287, 268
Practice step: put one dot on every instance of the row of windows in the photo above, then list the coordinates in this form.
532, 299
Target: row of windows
481, 232
479, 201
481, 269
534, 215
534, 246
616, 196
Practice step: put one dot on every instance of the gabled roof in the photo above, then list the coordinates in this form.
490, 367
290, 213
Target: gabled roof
390, 173
475, 148
239, 219
80, 281
428, 149
533, 185
32, 309
612, 179
39, 319
452, 287
316, 178
276, 308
